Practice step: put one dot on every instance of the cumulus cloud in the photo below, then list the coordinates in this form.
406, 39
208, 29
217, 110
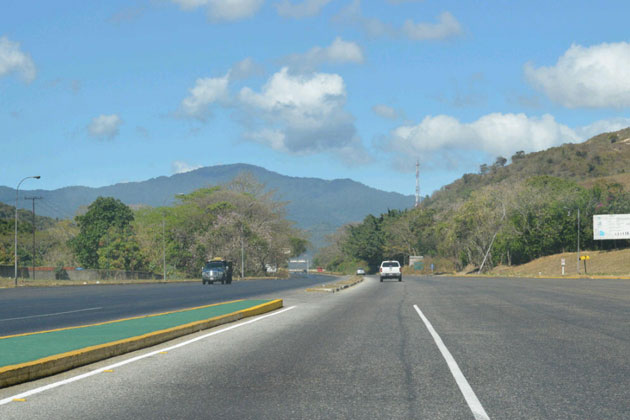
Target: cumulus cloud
206, 92
12, 59
224, 10
385, 111
602, 126
303, 114
245, 69
105, 127
495, 134
595, 77
180, 167
299, 10
293, 113
339, 52
446, 27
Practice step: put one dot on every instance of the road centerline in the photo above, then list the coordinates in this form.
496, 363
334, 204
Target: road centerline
52, 314
469, 395
26, 394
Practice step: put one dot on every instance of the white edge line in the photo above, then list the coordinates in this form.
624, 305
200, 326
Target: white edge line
45, 315
473, 402
135, 359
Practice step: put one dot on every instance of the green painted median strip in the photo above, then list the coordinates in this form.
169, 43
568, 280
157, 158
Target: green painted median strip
30, 347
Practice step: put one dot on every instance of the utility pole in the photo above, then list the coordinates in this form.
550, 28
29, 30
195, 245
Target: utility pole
242, 256
417, 182
33, 261
163, 249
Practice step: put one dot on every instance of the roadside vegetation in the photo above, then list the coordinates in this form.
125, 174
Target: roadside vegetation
502, 216
209, 222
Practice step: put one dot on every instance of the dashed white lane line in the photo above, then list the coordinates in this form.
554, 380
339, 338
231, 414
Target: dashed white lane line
472, 400
23, 395
53, 314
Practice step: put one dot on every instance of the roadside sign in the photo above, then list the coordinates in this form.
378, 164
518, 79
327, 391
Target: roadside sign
562, 262
611, 226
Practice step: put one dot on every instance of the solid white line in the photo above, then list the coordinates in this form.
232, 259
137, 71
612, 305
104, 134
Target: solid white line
135, 359
464, 386
45, 315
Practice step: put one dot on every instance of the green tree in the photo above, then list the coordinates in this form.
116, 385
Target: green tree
119, 250
365, 241
102, 215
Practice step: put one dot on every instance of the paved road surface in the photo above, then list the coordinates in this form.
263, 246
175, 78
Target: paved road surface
528, 349
28, 309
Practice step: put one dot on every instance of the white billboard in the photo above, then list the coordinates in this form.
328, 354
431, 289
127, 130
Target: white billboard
611, 226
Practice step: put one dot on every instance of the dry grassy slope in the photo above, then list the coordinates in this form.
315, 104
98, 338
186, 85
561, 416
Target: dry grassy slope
603, 157
601, 263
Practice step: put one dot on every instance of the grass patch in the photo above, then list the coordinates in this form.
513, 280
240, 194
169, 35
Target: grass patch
601, 263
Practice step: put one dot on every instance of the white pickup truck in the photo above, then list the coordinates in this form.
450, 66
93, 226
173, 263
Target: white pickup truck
390, 269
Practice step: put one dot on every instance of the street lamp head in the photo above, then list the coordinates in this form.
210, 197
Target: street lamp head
37, 177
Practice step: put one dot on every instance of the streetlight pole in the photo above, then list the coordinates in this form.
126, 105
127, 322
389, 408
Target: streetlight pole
578, 240
15, 256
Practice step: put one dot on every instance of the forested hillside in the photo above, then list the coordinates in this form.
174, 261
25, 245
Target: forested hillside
505, 214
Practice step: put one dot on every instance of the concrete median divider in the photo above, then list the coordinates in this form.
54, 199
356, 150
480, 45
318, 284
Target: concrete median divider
337, 286
29, 356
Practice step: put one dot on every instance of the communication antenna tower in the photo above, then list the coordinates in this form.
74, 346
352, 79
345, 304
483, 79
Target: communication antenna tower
417, 183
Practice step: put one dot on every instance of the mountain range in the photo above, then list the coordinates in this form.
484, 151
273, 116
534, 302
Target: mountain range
316, 205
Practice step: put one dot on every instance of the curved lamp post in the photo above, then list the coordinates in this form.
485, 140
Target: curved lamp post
16, 223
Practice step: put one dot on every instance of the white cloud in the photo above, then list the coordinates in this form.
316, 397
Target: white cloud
385, 111
224, 10
245, 69
602, 126
12, 59
374, 27
339, 52
301, 114
292, 113
447, 27
206, 92
180, 167
105, 127
299, 10
596, 77
495, 134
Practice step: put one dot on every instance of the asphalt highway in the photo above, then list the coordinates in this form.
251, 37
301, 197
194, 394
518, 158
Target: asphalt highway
518, 348
28, 309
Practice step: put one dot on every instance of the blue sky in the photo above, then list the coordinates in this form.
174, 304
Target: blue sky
96, 93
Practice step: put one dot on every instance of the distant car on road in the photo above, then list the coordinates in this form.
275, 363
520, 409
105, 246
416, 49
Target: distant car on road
390, 269
217, 269
360, 272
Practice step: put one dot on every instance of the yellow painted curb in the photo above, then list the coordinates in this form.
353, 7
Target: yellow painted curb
23, 372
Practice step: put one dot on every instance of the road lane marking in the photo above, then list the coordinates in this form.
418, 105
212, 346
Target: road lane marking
472, 400
54, 314
135, 359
